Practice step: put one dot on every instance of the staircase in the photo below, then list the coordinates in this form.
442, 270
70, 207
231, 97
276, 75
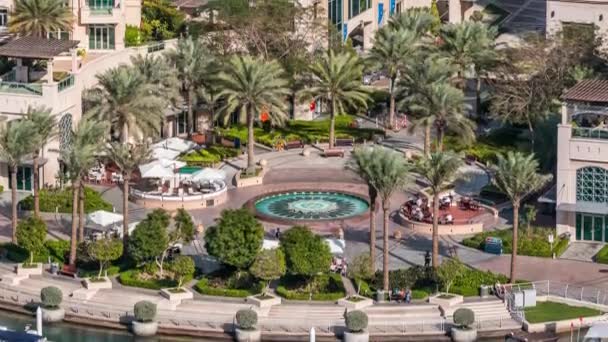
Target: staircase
489, 315
582, 251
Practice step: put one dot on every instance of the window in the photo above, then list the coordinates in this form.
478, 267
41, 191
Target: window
59, 34
101, 37
180, 123
592, 185
335, 13
101, 4
356, 7
3, 17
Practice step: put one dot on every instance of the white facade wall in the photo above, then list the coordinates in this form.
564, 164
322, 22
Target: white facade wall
584, 12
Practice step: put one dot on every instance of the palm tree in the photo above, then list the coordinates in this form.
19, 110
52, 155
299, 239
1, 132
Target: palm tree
337, 80
438, 169
124, 99
252, 86
45, 125
388, 174
157, 72
40, 17
391, 50
16, 142
127, 157
191, 60
418, 20
79, 157
362, 162
516, 175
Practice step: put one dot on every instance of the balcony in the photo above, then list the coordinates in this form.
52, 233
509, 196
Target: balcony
100, 14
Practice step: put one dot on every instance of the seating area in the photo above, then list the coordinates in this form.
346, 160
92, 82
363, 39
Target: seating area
334, 152
104, 175
419, 209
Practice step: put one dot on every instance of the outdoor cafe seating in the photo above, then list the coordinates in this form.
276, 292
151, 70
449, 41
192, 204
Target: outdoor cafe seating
467, 203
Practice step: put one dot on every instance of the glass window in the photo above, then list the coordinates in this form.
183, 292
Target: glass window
356, 7
59, 34
101, 37
181, 122
592, 185
100, 4
3, 17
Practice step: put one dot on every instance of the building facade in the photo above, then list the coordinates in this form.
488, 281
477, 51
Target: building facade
591, 12
582, 164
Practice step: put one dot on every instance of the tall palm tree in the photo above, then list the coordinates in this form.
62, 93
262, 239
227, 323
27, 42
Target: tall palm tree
336, 79
391, 50
16, 142
252, 86
191, 60
45, 125
388, 174
418, 20
124, 99
438, 169
362, 162
516, 175
79, 157
157, 71
40, 17
127, 157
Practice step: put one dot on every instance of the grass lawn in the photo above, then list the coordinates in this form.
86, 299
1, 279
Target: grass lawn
534, 244
602, 255
551, 311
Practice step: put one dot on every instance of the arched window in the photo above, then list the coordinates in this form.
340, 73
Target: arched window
65, 131
592, 184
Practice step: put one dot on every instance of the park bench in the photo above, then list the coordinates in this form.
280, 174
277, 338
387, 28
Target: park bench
336, 152
294, 144
345, 142
69, 271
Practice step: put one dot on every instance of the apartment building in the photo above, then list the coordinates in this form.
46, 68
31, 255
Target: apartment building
564, 12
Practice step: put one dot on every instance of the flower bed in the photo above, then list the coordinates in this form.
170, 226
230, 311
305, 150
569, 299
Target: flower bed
537, 244
228, 284
61, 199
325, 287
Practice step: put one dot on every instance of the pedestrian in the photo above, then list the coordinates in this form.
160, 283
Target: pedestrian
277, 233
427, 259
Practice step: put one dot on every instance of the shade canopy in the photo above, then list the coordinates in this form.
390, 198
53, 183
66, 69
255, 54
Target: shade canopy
156, 169
175, 144
36, 47
270, 244
336, 246
208, 175
103, 218
174, 164
163, 153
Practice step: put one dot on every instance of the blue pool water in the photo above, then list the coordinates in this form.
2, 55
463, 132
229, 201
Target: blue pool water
311, 205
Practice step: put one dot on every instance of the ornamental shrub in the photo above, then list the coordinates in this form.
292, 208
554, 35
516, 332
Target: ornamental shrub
51, 297
61, 199
356, 321
144, 311
247, 319
464, 317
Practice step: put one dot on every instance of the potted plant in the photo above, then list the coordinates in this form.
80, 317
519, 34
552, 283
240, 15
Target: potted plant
462, 330
247, 331
356, 323
144, 323
269, 265
31, 233
182, 267
51, 297
104, 251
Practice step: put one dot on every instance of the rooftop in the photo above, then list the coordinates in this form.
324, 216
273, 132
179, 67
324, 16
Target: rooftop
37, 48
588, 91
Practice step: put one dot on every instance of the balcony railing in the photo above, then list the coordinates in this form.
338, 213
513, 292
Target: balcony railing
101, 10
9, 76
156, 47
21, 88
66, 83
589, 133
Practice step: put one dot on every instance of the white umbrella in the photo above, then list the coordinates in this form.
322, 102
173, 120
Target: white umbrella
270, 244
104, 218
156, 170
163, 153
176, 144
174, 164
336, 246
208, 175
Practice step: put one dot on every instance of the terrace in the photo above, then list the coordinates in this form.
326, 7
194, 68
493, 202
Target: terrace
586, 110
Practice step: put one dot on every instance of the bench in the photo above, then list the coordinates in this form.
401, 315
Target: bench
345, 142
293, 144
336, 152
68, 270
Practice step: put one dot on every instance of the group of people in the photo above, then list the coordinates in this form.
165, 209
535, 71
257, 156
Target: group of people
402, 295
339, 265
418, 209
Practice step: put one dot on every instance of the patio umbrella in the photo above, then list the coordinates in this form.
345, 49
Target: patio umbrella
208, 175
175, 144
103, 219
336, 246
163, 153
174, 164
156, 169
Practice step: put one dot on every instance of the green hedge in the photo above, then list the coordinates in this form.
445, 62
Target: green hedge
210, 156
602, 255
537, 244
203, 287
57, 250
469, 282
325, 287
50, 199
131, 278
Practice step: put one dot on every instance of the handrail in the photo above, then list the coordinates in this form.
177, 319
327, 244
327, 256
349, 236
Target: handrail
590, 133
21, 88
66, 83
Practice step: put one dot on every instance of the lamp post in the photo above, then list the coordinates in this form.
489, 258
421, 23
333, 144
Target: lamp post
551, 238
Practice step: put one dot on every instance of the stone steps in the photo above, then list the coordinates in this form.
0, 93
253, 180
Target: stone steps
489, 315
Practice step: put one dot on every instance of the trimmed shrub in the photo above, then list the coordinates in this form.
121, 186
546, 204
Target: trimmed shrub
464, 317
51, 297
247, 319
324, 287
132, 278
356, 321
144, 311
61, 199
602, 255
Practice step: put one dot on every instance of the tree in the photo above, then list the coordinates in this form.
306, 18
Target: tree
157, 71
44, 124
438, 170
516, 175
40, 17
362, 162
150, 239
123, 98
306, 253
183, 231
530, 216
336, 79
253, 88
236, 239
388, 174
269, 265
31, 234
182, 267
105, 251
360, 269
420, 20
15, 144
449, 271
128, 157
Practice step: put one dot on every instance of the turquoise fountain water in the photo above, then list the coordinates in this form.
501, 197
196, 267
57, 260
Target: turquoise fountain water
311, 205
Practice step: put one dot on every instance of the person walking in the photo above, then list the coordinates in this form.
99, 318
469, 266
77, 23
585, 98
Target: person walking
427, 259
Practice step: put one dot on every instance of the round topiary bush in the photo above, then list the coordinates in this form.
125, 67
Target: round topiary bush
247, 319
144, 311
356, 321
464, 317
51, 297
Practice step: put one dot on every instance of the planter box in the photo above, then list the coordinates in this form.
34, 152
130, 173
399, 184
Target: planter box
28, 271
144, 328
176, 296
97, 285
249, 181
444, 302
352, 305
247, 335
356, 337
463, 335
264, 303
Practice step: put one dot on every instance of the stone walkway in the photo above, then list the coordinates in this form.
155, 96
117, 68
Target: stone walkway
582, 251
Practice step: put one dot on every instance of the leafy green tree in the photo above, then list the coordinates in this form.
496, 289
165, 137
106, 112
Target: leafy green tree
184, 226
360, 269
182, 267
306, 253
438, 170
105, 251
157, 71
40, 17
269, 265
15, 144
252, 86
162, 13
421, 21
31, 234
236, 239
336, 79
150, 238
516, 175
449, 271
529, 216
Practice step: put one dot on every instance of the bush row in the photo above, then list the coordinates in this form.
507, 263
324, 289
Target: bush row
61, 199
536, 243
132, 278
203, 287
57, 250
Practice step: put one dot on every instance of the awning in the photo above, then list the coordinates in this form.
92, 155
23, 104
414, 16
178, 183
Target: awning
270, 244
102, 218
336, 246
549, 196
36, 47
163, 153
208, 175
176, 144
156, 170
585, 207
